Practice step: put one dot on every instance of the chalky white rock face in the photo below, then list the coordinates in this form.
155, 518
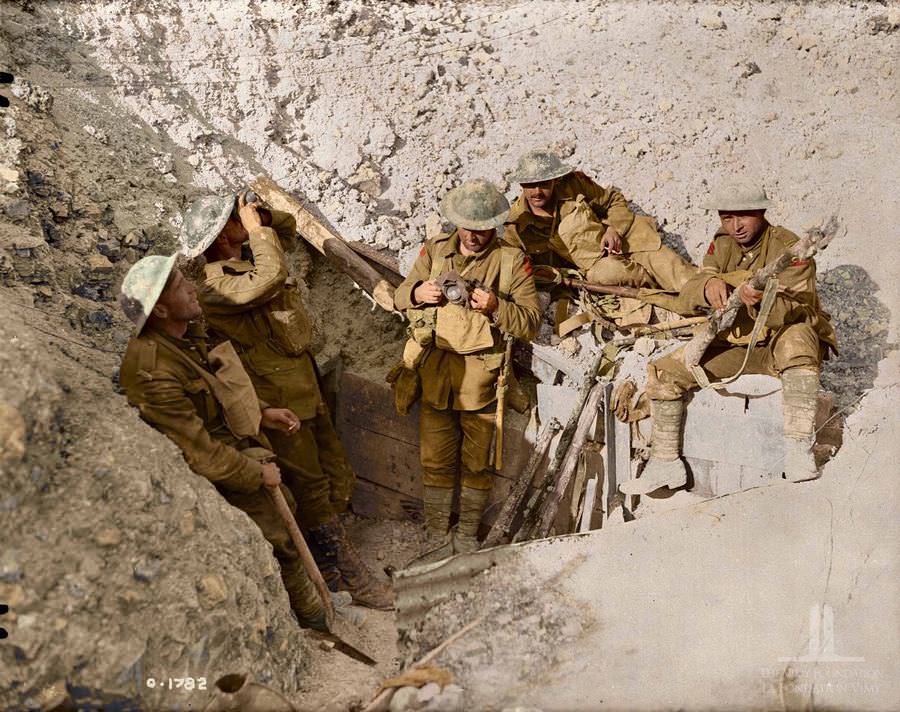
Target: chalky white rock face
408, 101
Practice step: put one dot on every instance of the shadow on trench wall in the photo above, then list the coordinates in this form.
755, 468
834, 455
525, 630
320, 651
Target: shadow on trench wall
861, 321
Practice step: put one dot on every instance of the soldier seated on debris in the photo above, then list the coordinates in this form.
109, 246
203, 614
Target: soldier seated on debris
564, 219
795, 338
204, 402
456, 354
249, 297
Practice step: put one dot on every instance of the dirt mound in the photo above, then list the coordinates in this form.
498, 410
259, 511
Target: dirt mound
118, 563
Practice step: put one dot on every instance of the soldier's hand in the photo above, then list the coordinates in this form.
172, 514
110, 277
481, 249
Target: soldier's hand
716, 292
427, 293
484, 301
271, 475
249, 214
280, 419
749, 296
611, 241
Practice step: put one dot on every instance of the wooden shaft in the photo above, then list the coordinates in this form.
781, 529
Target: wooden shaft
328, 243
644, 329
306, 557
501, 413
373, 255
502, 387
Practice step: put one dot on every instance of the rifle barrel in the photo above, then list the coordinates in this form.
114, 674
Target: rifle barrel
615, 290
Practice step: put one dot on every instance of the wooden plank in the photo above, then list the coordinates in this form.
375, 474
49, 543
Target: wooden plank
370, 406
567, 467
622, 434
519, 488
333, 246
384, 461
371, 500
587, 510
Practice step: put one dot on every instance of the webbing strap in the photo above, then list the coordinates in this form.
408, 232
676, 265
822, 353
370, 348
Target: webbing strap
507, 255
765, 308
573, 323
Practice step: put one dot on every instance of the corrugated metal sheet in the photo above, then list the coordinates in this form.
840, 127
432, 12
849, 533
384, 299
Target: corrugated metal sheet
420, 588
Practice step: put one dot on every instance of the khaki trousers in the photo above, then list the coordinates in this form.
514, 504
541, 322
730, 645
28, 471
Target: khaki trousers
456, 439
663, 268
315, 469
792, 346
260, 508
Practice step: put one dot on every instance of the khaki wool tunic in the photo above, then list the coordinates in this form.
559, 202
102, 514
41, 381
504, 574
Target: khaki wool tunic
797, 332
571, 237
467, 381
797, 300
162, 376
257, 305
539, 235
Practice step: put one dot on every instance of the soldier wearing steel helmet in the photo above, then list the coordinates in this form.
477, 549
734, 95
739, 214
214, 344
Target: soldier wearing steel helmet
203, 400
797, 335
564, 219
457, 350
249, 297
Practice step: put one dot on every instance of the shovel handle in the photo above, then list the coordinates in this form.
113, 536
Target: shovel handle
306, 557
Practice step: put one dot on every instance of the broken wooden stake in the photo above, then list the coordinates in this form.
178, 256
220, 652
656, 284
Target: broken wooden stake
375, 255
334, 247
383, 698
590, 496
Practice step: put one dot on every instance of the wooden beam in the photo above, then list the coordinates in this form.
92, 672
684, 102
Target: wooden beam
334, 247
375, 255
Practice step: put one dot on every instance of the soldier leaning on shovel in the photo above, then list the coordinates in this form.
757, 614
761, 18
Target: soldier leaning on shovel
794, 340
204, 402
456, 354
249, 297
564, 219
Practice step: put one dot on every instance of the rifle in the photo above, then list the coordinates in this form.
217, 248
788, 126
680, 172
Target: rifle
502, 387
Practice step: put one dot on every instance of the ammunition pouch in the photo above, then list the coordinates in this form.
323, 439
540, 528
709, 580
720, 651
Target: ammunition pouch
287, 320
421, 325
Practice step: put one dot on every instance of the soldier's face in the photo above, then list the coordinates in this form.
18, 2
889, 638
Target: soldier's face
539, 195
234, 232
745, 226
474, 240
178, 302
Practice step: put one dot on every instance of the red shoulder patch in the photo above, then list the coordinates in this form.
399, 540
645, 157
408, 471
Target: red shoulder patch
799, 263
526, 265
712, 248
423, 251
